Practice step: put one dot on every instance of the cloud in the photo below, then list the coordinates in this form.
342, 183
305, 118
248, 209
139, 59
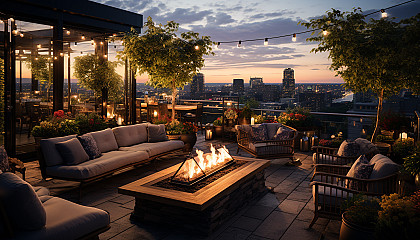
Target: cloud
220, 19
187, 15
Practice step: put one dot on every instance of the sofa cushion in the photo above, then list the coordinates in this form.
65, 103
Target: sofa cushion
130, 135
283, 133
108, 162
105, 140
4, 160
41, 191
258, 133
22, 205
361, 169
384, 167
245, 128
154, 149
51, 155
271, 129
72, 151
156, 133
366, 146
348, 149
89, 145
67, 221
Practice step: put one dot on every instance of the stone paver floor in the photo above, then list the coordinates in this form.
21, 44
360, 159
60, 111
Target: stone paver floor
283, 213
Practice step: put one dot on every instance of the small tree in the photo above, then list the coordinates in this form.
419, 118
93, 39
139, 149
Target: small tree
377, 55
42, 69
170, 60
98, 76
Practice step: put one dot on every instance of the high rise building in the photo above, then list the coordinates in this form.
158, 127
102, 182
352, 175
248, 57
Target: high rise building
238, 86
288, 82
256, 81
197, 85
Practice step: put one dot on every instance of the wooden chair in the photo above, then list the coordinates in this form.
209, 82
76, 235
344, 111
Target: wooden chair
265, 149
331, 189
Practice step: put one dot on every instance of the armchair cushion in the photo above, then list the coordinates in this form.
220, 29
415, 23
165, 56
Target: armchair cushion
348, 149
259, 133
22, 205
283, 133
366, 146
272, 129
156, 133
330, 196
89, 145
384, 166
360, 169
4, 160
72, 151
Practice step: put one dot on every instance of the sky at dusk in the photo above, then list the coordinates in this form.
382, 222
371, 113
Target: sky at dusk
248, 19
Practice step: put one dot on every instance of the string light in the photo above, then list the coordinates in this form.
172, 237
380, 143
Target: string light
55, 58
68, 32
383, 13
61, 54
21, 35
12, 19
102, 43
83, 37
15, 32
105, 56
75, 43
324, 32
197, 47
294, 37
51, 27
36, 59
266, 42
81, 52
38, 46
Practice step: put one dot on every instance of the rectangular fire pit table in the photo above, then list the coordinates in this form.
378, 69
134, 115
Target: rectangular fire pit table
205, 209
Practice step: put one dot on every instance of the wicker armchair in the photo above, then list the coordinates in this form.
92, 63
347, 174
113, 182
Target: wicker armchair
331, 189
265, 149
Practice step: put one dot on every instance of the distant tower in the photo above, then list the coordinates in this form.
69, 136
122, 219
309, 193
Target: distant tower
197, 85
256, 81
288, 82
238, 86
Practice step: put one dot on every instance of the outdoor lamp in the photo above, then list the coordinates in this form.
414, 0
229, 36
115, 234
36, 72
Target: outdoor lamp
155, 114
403, 135
252, 120
209, 134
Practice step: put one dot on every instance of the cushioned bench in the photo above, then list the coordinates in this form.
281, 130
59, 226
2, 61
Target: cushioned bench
97, 154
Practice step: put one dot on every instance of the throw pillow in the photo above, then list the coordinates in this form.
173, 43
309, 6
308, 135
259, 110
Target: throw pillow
259, 133
156, 133
348, 149
72, 152
4, 160
282, 133
89, 145
360, 169
21, 204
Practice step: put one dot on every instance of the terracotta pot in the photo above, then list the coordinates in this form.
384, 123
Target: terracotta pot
189, 141
350, 231
218, 130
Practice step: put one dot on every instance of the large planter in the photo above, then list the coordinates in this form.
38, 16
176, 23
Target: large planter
189, 141
174, 137
351, 231
218, 131
244, 121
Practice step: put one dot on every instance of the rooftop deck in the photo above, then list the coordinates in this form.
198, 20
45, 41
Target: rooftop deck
283, 213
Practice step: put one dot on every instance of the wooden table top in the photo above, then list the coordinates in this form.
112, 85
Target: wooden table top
177, 107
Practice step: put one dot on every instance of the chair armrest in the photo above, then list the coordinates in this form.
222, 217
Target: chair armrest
342, 188
333, 169
324, 150
242, 137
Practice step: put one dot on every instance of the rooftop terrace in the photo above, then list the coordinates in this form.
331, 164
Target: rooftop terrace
283, 213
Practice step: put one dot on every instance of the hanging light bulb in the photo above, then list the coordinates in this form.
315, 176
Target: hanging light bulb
383, 13
266, 42
51, 27
294, 37
12, 19
325, 32
15, 32
115, 46
68, 32
21, 35
217, 45
36, 59
61, 54
75, 43
83, 37
105, 56
55, 58
239, 44
102, 43
38, 45
81, 52
196, 47
51, 42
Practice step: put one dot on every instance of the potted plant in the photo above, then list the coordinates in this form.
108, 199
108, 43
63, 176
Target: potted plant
231, 115
402, 148
218, 128
412, 166
188, 135
359, 218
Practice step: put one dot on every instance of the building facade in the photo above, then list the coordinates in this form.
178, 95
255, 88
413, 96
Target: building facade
288, 82
238, 86
197, 86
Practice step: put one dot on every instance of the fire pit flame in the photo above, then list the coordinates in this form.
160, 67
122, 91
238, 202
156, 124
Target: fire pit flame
202, 165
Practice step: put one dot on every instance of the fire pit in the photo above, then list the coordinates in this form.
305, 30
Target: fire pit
195, 169
202, 201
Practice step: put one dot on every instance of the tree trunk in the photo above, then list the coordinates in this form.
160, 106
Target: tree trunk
104, 102
378, 115
174, 93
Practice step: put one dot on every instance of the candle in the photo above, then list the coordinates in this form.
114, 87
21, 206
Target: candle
403, 135
209, 134
252, 121
155, 114
119, 120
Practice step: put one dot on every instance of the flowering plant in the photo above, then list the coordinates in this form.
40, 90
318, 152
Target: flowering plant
176, 127
218, 121
231, 113
298, 118
58, 125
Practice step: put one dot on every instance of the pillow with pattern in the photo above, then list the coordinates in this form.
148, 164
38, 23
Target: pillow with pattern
361, 169
259, 133
4, 160
89, 145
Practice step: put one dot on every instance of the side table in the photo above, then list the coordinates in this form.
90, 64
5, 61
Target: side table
17, 166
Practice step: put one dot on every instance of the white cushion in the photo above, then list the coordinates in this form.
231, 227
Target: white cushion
271, 129
384, 167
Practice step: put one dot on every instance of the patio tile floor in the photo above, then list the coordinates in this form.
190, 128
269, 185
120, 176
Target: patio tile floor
283, 213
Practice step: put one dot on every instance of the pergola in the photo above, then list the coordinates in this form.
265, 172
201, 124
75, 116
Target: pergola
71, 21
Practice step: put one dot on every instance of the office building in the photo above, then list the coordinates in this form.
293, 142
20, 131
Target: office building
238, 86
197, 86
288, 82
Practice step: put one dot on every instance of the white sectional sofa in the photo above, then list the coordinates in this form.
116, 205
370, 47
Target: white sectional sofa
120, 147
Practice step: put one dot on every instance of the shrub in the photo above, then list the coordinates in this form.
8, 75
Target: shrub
412, 164
403, 148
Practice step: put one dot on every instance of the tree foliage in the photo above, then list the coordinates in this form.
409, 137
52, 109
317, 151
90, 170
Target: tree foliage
97, 75
170, 60
42, 69
376, 55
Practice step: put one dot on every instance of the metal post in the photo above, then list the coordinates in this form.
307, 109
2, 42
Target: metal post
69, 80
58, 67
126, 99
133, 96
